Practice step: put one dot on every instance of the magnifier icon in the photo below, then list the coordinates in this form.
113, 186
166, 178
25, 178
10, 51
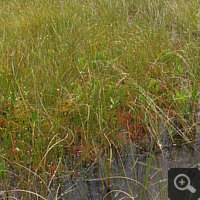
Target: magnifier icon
182, 182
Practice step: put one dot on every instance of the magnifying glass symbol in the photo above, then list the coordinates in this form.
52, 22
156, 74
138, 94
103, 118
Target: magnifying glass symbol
182, 182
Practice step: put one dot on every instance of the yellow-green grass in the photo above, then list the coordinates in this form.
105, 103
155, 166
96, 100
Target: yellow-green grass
69, 67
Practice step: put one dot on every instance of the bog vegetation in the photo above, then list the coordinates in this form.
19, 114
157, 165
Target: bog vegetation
75, 74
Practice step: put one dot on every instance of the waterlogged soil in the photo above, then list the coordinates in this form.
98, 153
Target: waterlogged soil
137, 171
134, 171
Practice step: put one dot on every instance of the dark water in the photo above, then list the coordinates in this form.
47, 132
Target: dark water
134, 167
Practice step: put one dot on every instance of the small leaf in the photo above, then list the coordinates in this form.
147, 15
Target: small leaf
180, 69
157, 87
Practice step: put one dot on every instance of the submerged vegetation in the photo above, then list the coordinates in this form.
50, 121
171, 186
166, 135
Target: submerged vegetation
82, 79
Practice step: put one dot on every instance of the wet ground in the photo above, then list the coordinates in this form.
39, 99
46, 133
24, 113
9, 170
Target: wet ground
138, 173
135, 170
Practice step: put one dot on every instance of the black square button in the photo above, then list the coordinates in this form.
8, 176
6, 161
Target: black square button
183, 183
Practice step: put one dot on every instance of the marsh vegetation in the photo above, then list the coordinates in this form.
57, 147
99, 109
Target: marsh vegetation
84, 84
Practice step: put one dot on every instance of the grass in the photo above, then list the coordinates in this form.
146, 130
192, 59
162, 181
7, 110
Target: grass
74, 73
